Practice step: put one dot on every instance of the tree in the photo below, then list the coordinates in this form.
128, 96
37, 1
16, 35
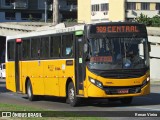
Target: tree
156, 21
144, 19
30, 17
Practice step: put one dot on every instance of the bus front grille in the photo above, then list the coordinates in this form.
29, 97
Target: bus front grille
122, 90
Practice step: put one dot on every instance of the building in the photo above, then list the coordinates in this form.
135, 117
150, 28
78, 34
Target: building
27, 10
116, 10
68, 9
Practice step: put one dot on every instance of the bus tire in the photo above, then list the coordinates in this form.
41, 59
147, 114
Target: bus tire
30, 95
72, 99
126, 101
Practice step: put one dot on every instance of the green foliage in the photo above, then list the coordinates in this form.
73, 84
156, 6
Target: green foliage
71, 20
30, 17
14, 107
154, 22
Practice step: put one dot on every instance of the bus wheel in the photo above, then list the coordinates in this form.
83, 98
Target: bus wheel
30, 95
126, 101
72, 99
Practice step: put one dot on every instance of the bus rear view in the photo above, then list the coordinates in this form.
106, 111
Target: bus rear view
117, 61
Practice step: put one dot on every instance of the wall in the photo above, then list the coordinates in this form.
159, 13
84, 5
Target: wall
100, 16
116, 10
33, 4
155, 57
84, 11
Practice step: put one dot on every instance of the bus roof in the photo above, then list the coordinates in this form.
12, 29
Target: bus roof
63, 28
48, 30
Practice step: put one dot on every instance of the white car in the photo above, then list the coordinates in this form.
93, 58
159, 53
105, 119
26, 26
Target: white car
3, 70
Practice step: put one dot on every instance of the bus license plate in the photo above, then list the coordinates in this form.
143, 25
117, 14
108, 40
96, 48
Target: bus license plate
123, 91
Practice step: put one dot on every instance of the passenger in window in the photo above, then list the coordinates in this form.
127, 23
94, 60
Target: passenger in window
38, 52
69, 51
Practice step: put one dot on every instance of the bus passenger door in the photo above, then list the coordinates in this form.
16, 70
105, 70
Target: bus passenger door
17, 64
79, 64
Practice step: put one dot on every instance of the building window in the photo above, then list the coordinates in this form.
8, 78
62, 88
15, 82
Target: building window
10, 15
104, 7
8, 2
131, 6
95, 7
25, 16
71, 2
41, 4
157, 6
31, 16
145, 6
22, 4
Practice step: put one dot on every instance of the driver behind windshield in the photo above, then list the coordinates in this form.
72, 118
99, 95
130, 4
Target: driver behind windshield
104, 50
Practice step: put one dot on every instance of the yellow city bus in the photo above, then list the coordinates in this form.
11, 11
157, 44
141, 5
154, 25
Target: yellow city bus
101, 60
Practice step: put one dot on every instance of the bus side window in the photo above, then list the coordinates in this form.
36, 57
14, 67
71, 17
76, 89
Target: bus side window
35, 48
26, 49
44, 51
55, 43
11, 48
68, 51
67, 48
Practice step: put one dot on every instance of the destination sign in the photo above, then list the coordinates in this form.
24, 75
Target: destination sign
114, 29
101, 59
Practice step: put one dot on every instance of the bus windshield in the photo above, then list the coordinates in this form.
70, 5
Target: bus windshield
118, 53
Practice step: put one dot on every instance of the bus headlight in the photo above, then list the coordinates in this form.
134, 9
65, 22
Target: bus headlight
145, 82
96, 82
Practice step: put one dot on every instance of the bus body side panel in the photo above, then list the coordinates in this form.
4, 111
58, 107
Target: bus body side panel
51, 80
20, 76
24, 74
66, 71
35, 72
10, 76
90, 88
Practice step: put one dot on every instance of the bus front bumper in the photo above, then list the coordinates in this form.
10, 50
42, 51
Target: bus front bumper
114, 92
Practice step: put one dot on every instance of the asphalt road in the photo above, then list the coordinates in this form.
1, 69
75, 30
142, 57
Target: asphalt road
150, 103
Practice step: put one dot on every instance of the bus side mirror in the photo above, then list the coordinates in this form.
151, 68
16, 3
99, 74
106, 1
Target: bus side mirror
85, 48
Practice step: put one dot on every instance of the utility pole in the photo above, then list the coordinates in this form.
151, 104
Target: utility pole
45, 3
55, 12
